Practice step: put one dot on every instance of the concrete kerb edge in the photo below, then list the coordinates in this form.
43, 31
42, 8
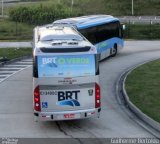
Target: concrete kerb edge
155, 125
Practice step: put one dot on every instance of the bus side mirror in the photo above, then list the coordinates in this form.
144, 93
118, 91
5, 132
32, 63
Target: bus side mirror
123, 26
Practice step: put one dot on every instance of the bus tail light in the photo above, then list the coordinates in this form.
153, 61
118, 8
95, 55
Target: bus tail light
97, 96
37, 106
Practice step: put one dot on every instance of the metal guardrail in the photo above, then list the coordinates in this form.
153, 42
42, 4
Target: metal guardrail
10, 1
140, 19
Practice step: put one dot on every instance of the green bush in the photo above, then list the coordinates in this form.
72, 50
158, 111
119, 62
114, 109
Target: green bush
40, 14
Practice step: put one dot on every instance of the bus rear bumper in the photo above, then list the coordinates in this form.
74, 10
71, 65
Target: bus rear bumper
67, 115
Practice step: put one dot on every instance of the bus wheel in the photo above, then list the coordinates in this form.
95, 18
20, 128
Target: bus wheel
114, 51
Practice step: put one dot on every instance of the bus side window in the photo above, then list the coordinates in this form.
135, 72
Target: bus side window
102, 32
89, 33
114, 30
105, 31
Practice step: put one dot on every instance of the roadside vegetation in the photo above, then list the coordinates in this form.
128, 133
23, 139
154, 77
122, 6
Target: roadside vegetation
12, 53
41, 14
142, 87
15, 31
112, 7
26, 14
18, 31
142, 31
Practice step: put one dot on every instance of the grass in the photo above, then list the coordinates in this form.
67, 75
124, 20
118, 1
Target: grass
142, 31
12, 53
142, 87
10, 30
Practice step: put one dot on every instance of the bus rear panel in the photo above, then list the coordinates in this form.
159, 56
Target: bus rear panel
65, 81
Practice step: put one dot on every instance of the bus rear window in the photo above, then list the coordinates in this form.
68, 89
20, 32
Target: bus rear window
66, 65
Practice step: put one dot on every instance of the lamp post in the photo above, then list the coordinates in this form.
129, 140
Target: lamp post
132, 7
2, 8
72, 2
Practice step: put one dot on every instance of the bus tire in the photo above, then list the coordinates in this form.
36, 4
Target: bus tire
114, 51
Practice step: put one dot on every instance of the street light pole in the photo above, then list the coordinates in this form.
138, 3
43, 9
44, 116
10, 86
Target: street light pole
72, 2
2, 8
132, 8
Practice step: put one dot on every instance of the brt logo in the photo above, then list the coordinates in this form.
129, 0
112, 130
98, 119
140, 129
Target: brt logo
68, 95
68, 98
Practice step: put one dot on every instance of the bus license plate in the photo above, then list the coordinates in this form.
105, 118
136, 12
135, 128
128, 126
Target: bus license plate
69, 116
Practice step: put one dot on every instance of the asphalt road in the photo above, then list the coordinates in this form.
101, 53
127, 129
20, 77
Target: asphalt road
16, 114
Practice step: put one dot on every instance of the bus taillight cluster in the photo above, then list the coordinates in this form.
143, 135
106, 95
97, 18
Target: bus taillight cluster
97, 96
37, 106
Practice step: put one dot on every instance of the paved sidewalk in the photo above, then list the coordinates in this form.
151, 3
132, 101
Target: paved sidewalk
15, 44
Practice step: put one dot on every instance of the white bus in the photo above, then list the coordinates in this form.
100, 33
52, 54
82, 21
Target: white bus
103, 31
65, 75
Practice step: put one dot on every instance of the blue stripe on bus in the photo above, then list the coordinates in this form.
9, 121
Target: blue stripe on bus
107, 44
89, 24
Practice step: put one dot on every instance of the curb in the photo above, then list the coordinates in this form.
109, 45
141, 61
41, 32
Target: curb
22, 44
146, 119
